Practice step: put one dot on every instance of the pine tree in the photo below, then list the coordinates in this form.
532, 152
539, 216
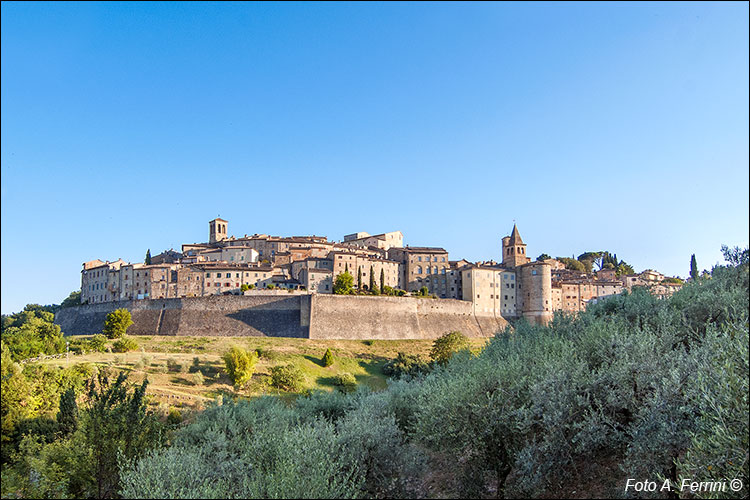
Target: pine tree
693, 268
359, 278
148, 257
382, 279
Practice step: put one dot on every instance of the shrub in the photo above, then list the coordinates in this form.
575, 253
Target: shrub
271, 286
287, 378
244, 288
345, 381
239, 365
266, 353
116, 323
196, 364
138, 365
97, 343
173, 365
198, 378
406, 365
368, 342
146, 360
124, 344
174, 417
446, 346
328, 358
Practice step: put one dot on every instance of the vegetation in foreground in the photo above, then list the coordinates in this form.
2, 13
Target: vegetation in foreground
635, 387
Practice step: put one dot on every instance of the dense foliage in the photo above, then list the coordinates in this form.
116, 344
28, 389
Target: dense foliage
240, 365
446, 346
116, 323
343, 284
32, 332
99, 426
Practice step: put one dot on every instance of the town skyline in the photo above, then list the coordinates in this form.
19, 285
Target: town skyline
618, 127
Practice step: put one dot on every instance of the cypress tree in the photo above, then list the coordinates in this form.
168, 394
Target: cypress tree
328, 358
148, 257
67, 417
346, 267
382, 279
693, 268
372, 279
359, 278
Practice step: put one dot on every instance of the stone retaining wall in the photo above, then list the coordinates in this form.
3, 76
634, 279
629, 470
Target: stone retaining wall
316, 316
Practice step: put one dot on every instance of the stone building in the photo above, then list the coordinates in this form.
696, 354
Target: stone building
422, 266
383, 241
490, 289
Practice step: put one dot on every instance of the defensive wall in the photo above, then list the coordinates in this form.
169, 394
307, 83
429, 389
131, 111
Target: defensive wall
314, 316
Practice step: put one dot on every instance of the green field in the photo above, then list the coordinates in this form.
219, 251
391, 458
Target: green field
362, 358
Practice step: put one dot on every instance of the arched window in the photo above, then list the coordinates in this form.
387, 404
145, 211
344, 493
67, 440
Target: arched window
419, 269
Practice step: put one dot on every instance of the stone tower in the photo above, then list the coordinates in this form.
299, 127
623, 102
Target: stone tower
514, 250
217, 230
536, 292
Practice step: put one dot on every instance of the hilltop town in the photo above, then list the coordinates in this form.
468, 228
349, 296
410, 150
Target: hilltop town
514, 287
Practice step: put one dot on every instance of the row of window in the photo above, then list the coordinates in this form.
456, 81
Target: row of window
229, 275
427, 259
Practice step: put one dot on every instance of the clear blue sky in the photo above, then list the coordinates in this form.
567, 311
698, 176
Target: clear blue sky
128, 126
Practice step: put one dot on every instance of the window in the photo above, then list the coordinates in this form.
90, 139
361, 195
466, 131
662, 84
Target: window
419, 259
506, 297
419, 269
237, 275
533, 272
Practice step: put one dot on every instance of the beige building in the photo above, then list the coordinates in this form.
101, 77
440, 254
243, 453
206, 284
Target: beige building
355, 263
383, 241
491, 290
422, 266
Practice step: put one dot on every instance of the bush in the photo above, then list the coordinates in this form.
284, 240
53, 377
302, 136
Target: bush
196, 364
328, 358
173, 365
239, 365
198, 378
97, 343
116, 323
124, 344
287, 378
244, 288
406, 365
174, 417
446, 346
345, 381
271, 286
368, 342
268, 354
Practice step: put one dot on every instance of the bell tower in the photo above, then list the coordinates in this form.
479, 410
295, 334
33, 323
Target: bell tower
514, 250
217, 230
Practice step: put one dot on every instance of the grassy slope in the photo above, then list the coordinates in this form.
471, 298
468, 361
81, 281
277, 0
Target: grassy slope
363, 361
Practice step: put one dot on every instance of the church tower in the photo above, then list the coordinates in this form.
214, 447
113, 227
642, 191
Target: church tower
217, 230
514, 250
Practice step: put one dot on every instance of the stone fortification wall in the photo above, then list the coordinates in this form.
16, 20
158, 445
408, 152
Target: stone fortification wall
257, 316
362, 317
308, 316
